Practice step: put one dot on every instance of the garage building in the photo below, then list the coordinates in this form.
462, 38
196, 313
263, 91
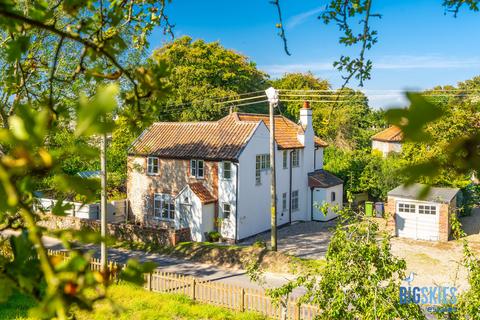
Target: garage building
426, 218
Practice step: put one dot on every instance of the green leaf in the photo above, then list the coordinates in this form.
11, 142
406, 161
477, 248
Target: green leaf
413, 120
134, 271
93, 114
16, 47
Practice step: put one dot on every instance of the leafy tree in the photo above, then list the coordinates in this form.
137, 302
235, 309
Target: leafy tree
49, 52
361, 278
200, 73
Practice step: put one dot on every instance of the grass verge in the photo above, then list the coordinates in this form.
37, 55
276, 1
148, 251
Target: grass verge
133, 302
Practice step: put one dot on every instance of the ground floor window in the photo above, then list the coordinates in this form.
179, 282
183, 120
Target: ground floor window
284, 201
295, 200
163, 206
227, 210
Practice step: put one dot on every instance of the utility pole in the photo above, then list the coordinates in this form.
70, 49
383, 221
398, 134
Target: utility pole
103, 202
272, 96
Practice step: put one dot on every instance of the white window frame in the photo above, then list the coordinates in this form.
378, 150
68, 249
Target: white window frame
224, 210
284, 201
406, 207
151, 165
163, 203
258, 170
429, 209
295, 158
285, 159
295, 204
197, 166
229, 170
262, 163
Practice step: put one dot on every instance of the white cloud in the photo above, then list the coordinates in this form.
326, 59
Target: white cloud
400, 62
302, 17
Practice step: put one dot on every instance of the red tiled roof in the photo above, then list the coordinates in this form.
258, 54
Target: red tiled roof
391, 134
216, 140
285, 130
202, 192
221, 140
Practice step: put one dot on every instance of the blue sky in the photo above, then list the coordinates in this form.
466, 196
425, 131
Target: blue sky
419, 46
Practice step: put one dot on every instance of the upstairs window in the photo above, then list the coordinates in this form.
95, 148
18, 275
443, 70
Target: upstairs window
197, 168
227, 170
285, 159
262, 162
332, 196
295, 158
152, 165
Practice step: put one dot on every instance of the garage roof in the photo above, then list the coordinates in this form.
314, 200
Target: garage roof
435, 194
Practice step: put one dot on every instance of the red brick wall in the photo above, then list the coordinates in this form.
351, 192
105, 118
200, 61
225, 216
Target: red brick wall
390, 215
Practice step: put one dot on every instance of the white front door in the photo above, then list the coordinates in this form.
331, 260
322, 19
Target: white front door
417, 221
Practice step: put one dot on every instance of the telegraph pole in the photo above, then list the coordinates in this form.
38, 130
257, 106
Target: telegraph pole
103, 202
272, 95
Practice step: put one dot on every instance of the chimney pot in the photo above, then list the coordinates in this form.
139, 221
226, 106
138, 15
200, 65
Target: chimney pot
306, 105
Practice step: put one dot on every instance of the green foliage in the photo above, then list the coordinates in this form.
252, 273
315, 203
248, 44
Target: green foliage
200, 73
360, 278
55, 284
468, 302
214, 236
456, 225
344, 119
364, 171
442, 135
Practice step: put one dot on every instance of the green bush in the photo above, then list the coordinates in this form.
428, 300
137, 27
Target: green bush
213, 236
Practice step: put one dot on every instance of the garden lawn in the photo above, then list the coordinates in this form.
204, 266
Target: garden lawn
132, 302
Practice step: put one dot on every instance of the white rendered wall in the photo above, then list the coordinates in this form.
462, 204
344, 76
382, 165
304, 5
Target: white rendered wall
323, 195
227, 194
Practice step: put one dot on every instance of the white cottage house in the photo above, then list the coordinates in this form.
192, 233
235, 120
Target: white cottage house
216, 175
388, 140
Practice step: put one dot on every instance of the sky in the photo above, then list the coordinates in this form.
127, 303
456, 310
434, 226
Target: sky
419, 45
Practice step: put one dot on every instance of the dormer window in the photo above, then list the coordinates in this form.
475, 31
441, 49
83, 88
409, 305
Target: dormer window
152, 165
197, 168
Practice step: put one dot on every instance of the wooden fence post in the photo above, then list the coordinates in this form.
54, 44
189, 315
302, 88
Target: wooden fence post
242, 300
297, 311
149, 281
194, 282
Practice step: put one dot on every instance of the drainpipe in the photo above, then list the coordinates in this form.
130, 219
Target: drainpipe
311, 204
236, 201
290, 191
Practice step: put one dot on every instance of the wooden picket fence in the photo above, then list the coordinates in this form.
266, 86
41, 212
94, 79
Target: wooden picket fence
215, 293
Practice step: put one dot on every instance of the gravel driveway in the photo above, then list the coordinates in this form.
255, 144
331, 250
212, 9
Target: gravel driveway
301, 239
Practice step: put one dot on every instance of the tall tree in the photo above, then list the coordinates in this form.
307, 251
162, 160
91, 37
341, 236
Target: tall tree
203, 74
